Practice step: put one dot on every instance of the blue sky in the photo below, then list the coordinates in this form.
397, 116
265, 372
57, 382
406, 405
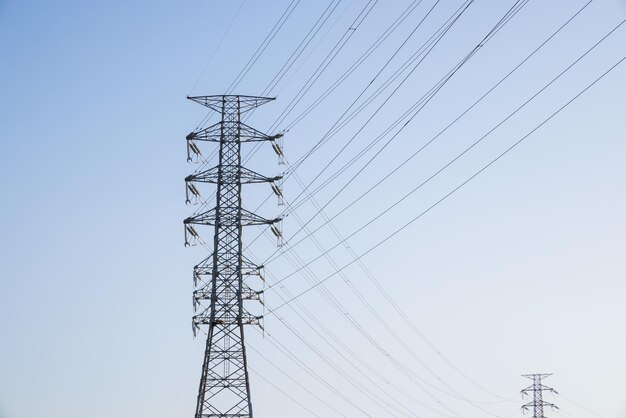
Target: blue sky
520, 271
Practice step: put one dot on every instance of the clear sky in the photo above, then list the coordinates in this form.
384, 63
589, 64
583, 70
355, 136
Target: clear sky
522, 270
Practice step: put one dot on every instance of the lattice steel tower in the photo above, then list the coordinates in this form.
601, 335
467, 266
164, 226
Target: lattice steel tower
222, 280
537, 389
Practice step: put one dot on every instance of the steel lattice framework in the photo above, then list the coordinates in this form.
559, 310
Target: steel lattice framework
537, 389
221, 279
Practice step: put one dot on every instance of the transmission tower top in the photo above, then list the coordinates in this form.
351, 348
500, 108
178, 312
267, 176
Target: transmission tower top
244, 103
537, 388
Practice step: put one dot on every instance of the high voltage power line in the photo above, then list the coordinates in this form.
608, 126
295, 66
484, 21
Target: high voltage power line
589, 86
514, 9
402, 367
381, 397
293, 167
422, 52
476, 174
396, 334
465, 112
300, 307
407, 116
323, 66
413, 155
319, 24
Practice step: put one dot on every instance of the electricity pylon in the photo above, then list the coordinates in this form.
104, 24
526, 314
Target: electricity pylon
223, 278
537, 389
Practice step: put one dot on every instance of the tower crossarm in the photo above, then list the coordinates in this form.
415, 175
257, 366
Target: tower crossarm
530, 406
249, 134
214, 133
245, 103
229, 218
532, 388
211, 133
230, 175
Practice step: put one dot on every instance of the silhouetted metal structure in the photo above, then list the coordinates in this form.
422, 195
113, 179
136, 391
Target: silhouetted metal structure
222, 280
537, 389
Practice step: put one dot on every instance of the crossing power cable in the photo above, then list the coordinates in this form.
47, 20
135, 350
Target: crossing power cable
427, 96
380, 137
431, 43
374, 395
321, 21
428, 45
302, 47
294, 400
451, 192
335, 129
403, 368
430, 141
545, 87
385, 325
313, 322
460, 397
336, 305
328, 59
310, 371
371, 49
461, 185
295, 381
303, 62
394, 25
414, 110
353, 322
388, 61
493, 129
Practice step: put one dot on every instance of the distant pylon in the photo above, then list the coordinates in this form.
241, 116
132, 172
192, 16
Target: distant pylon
223, 279
537, 389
